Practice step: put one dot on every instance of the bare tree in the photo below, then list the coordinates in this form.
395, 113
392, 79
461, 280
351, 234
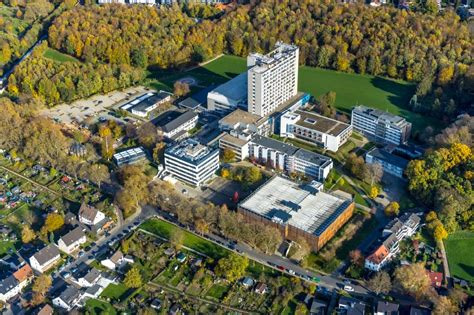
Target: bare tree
380, 283
373, 173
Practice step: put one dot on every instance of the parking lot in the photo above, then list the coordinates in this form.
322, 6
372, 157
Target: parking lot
88, 111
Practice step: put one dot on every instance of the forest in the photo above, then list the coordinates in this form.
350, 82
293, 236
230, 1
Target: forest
434, 50
22, 23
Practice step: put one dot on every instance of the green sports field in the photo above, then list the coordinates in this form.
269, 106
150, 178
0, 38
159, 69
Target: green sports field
351, 89
459, 248
58, 56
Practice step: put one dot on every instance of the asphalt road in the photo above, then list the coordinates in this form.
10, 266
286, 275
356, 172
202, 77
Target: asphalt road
273, 261
327, 283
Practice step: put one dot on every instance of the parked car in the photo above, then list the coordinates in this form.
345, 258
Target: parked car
348, 288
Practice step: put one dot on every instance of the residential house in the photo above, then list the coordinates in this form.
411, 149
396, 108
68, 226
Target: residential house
9, 287
68, 299
45, 258
14, 261
318, 307
174, 309
261, 288
395, 231
71, 242
116, 260
387, 308
46, 310
23, 275
14, 284
155, 304
93, 292
89, 215
377, 259
350, 306
86, 276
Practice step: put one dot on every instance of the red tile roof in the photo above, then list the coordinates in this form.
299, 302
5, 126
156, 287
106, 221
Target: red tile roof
435, 277
23, 273
378, 255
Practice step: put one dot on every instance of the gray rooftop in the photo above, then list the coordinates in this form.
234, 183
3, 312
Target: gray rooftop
291, 150
379, 114
312, 157
183, 118
144, 103
197, 99
235, 89
320, 123
387, 157
275, 144
73, 236
70, 294
190, 150
7, 284
286, 202
46, 254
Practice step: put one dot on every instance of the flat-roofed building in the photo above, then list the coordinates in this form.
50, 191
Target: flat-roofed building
297, 210
191, 162
315, 129
392, 164
272, 78
229, 96
237, 142
144, 104
288, 158
242, 120
380, 126
177, 127
130, 156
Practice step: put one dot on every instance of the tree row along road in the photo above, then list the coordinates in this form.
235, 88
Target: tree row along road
272, 261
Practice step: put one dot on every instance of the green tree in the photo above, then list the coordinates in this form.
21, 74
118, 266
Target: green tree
40, 287
228, 155
27, 234
133, 278
53, 222
231, 267
392, 209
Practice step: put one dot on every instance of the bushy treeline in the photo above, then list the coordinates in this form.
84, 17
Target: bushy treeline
38, 140
53, 82
22, 24
433, 49
381, 41
443, 179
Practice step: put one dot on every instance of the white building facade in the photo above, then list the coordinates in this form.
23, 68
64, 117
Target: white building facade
315, 129
191, 162
380, 126
272, 79
289, 158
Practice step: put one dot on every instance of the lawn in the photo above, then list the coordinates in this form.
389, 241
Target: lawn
461, 263
217, 291
351, 89
5, 246
58, 56
94, 306
115, 291
164, 229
